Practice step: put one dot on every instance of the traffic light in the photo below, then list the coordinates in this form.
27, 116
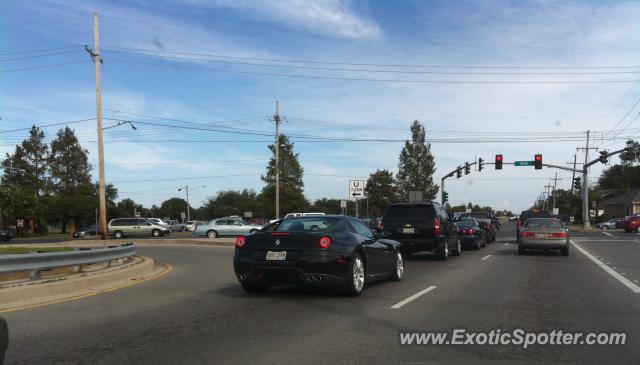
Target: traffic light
603, 157
445, 197
467, 168
537, 162
480, 163
498, 162
577, 183
459, 172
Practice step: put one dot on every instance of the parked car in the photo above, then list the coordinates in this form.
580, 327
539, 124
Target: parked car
225, 227
471, 234
5, 235
124, 227
610, 224
87, 232
486, 222
338, 252
544, 233
421, 227
175, 226
529, 214
632, 224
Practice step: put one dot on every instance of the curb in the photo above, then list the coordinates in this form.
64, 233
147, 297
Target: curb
31, 295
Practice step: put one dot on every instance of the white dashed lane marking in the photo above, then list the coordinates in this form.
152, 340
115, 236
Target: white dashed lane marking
486, 257
413, 297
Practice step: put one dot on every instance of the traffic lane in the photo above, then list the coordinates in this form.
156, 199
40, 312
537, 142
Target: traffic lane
540, 292
621, 255
201, 304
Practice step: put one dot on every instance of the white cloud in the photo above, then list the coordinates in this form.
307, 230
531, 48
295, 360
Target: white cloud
332, 17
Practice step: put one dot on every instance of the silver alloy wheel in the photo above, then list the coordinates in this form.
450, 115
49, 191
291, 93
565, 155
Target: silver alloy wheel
459, 248
399, 265
638, 229
446, 250
358, 274
605, 227
156, 233
211, 234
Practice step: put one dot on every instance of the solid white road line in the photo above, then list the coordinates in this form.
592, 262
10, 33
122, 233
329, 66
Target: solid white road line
607, 234
413, 297
626, 282
486, 257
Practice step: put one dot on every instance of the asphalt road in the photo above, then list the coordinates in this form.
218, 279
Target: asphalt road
199, 314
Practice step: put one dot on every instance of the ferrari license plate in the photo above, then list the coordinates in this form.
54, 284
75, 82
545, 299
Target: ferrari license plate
276, 255
542, 235
406, 230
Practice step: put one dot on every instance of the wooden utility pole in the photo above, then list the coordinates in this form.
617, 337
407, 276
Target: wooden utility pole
101, 185
276, 118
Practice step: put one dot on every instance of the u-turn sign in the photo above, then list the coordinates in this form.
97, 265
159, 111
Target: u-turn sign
356, 188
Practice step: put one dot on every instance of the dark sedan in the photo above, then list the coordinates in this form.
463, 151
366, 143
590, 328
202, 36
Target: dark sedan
336, 252
5, 235
486, 222
471, 234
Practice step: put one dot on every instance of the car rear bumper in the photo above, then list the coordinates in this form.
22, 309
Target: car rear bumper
543, 243
470, 241
325, 269
418, 244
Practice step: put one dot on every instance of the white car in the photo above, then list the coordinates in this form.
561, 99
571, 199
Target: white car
191, 225
158, 221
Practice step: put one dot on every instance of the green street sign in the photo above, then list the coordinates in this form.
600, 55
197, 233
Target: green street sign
523, 163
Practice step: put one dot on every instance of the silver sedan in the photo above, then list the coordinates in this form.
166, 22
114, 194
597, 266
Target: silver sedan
544, 233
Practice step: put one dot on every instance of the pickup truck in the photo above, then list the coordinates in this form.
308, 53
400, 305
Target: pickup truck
175, 226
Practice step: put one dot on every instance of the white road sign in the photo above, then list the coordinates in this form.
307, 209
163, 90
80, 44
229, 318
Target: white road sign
356, 188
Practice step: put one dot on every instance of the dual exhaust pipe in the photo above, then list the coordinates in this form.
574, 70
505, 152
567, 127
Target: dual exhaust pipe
314, 278
242, 277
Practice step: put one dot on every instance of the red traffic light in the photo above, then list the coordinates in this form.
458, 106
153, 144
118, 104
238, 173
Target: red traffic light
538, 157
537, 161
498, 162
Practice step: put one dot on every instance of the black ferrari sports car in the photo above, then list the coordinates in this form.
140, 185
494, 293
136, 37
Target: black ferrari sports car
335, 252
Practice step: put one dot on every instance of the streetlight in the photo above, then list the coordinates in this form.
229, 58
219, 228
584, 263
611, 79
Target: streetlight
186, 188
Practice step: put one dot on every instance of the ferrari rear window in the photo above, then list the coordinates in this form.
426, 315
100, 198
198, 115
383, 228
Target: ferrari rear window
308, 224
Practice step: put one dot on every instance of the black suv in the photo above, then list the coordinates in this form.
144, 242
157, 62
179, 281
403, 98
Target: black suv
421, 227
530, 214
486, 222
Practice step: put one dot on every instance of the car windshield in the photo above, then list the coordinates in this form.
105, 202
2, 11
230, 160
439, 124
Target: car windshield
543, 223
311, 224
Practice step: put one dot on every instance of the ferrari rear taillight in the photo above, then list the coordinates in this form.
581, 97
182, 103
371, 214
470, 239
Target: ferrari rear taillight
437, 228
324, 242
240, 241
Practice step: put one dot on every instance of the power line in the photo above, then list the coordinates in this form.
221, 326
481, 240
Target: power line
374, 80
369, 64
48, 125
42, 67
39, 50
37, 56
413, 72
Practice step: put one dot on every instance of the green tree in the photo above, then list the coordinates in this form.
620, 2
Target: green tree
126, 208
172, 208
74, 194
621, 178
231, 202
292, 197
416, 165
23, 187
632, 155
381, 190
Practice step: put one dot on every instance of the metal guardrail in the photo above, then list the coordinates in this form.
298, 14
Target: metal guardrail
36, 262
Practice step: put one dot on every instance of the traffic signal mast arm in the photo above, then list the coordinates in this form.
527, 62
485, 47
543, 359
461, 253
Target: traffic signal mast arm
450, 174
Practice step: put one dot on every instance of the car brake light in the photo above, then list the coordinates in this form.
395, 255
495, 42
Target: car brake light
380, 225
240, 241
437, 229
519, 224
324, 242
528, 234
559, 235
468, 231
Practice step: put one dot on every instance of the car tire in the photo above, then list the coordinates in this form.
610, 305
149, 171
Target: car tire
484, 243
156, 233
605, 227
521, 250
118, 234
355, 276
443, 251
212, 235
398, 273
255, 288
638, 230
565, 251
458, 250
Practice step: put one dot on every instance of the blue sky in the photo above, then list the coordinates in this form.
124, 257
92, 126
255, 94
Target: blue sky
144, 88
